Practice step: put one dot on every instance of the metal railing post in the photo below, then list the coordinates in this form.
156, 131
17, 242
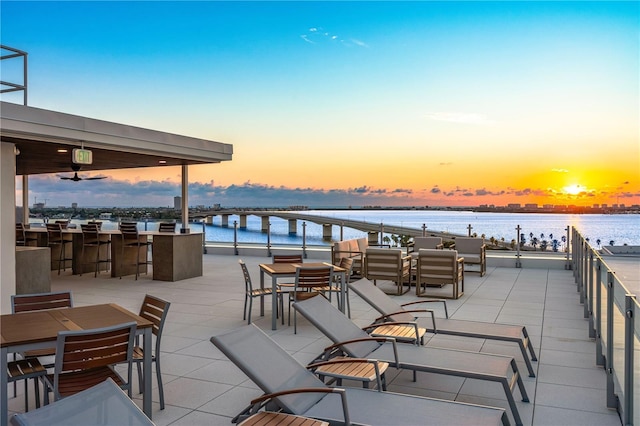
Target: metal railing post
304, 239
341, 231
424, 229
204, 237
381, 233
269, 239
567, 264
235, 237
588, 306
598, 319
518, 263
612, 402
629, 332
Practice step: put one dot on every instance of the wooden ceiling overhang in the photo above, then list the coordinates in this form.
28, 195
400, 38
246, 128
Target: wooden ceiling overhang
45, 139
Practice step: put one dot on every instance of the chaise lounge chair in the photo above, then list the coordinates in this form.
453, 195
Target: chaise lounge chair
392, 311
350, 340
296, 390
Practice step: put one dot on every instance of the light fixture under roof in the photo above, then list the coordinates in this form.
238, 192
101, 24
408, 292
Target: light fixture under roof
62, 150
162, 162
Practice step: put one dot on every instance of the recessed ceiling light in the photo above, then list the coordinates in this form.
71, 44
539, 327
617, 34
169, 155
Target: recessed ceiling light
62, 150
162, 162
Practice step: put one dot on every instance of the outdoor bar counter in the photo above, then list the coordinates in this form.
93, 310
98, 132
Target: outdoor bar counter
175, 256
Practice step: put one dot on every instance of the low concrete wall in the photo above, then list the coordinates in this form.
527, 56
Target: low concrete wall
33, 274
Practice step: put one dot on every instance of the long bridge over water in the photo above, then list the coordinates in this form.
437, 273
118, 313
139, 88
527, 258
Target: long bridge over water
374, 230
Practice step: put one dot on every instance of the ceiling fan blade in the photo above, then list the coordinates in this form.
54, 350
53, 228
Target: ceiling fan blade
95, 178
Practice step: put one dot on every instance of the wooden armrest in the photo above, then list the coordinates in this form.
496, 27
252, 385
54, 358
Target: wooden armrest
444, 302
343, 397
368, 339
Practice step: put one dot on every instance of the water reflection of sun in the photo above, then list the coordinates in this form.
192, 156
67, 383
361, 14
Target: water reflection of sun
574, 189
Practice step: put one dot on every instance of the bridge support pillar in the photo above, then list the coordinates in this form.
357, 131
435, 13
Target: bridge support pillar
243, 221
225, 221
326, 231
293, 226
209, 220
265, 224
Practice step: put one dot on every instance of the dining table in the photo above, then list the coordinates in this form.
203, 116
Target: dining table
287, 270
39, 329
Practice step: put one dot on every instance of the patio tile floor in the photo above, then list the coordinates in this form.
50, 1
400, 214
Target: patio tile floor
203, 388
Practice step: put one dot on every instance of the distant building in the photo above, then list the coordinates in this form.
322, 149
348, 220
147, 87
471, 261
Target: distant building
38, 205
177, 202
531, 206
514, 206
74, 205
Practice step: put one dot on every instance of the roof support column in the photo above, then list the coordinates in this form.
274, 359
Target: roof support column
25, 199
185, 199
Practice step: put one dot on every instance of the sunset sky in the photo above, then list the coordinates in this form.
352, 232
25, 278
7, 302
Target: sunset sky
349, 103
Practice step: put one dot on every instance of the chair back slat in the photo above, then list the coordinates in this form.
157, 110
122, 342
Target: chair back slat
287, 258
41, 301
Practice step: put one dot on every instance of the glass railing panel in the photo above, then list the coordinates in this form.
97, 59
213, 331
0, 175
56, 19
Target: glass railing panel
603, 312
619, 293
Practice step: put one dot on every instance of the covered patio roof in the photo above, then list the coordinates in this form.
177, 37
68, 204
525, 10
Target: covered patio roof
41, 134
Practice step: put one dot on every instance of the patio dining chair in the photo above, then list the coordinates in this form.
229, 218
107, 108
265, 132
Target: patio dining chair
34, 364
345, 263
85, 358
291, 388
155, 310
308, 280
251, 293
287, 258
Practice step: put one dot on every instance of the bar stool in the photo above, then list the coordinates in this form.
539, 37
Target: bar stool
55, 239
91, 239
167, 227
21, 235
131, 240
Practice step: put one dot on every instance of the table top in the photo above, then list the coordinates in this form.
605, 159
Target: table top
43, 326
290, 268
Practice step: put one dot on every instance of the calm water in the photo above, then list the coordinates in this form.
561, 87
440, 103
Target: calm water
622, 229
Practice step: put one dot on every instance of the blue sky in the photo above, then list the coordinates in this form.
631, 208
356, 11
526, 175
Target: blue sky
350, 103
